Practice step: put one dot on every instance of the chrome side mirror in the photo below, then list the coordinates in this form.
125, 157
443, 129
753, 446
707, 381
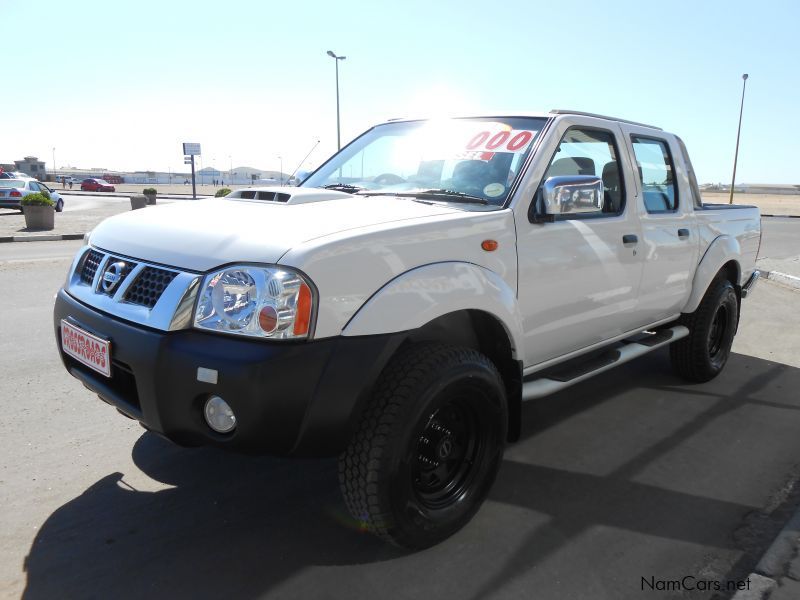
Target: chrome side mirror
572, 194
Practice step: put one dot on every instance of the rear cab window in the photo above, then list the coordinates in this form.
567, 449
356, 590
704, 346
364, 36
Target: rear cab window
657, 174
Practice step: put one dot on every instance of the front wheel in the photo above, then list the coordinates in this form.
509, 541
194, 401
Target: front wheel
702, 355
428, 446
59, 206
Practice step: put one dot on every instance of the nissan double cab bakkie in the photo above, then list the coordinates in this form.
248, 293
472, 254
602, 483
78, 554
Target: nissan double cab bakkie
398, 307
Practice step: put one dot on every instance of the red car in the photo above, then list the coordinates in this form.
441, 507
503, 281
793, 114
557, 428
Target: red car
97, 185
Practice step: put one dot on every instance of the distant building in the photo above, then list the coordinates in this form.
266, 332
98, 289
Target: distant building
756, 188
32, 166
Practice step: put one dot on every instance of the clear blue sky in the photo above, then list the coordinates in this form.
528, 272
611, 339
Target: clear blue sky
251, 81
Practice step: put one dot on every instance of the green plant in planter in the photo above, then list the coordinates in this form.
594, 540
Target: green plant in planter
37, 199
222, 192
39, 211
150, 194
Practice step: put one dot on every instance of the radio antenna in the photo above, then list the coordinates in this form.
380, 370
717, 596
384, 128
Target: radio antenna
304, 159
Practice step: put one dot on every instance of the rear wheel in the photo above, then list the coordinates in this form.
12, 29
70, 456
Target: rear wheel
702, 355
428, 446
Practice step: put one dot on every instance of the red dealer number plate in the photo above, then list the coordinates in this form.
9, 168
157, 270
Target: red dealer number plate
86, 348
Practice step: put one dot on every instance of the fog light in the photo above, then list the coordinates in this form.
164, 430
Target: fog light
219, 415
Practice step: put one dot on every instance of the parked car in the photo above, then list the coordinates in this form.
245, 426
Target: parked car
397, 311
12, 191
14, 175
97, 185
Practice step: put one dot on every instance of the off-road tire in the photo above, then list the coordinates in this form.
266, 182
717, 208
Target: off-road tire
702, 355
394, 473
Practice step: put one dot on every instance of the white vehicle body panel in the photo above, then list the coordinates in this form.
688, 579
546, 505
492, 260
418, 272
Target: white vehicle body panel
579, 284
421, 295
375, 256
200, 236
670, 258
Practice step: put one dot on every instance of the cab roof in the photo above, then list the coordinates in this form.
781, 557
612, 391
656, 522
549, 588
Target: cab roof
550, 115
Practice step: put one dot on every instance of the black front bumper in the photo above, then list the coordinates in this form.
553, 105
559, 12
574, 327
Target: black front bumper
295, 398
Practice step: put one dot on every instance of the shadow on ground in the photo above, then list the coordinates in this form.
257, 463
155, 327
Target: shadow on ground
237, 526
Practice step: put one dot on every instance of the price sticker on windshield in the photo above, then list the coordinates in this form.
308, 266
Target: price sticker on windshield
515, 141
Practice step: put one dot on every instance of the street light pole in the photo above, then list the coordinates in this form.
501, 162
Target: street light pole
280, 158
338, 129
738, 133
54, 165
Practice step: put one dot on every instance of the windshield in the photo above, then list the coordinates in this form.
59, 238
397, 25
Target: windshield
478, 157
11, 183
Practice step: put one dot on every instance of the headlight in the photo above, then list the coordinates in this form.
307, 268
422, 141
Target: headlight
265, 302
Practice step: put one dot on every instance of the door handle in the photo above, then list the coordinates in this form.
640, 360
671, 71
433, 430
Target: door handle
630, 239
683, 233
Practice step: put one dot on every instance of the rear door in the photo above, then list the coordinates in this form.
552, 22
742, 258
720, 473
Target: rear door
579, 276
669, 231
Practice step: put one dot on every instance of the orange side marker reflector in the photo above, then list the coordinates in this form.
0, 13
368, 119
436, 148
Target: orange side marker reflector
489, 245
303, 319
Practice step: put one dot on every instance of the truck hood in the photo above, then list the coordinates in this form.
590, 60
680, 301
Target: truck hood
201, 235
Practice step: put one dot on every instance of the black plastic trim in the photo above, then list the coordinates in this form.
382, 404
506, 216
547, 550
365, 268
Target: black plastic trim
289, 399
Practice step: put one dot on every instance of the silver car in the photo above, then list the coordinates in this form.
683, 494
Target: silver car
12, 191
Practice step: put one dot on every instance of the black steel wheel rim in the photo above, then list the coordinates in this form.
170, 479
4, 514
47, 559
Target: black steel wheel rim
716, 335
445, 454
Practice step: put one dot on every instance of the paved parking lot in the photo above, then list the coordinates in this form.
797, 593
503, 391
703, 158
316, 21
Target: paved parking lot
633, 474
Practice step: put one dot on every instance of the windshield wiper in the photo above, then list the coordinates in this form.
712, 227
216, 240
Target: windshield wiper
437, 194
342, 187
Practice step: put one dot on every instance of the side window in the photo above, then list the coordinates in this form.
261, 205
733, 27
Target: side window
591, 152
657, 172
33, 186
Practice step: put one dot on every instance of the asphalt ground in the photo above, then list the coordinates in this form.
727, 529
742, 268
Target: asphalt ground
780, 246
631, 477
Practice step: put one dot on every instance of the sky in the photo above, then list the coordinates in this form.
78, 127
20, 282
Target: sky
120, 85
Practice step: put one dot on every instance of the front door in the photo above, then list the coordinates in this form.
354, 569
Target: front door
579, 276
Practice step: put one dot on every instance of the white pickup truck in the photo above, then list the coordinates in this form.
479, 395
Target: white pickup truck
398, 306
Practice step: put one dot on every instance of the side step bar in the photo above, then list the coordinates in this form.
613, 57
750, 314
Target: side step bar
554, 380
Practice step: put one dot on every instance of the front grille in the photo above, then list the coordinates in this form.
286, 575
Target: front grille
123, 275
149, 286
90, 265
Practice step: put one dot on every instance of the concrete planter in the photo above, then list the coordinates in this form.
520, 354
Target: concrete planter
151, 198
138, 201
39, 217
